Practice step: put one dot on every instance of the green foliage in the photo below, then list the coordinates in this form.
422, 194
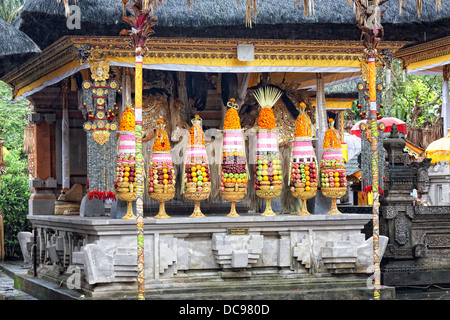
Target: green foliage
416, 100
14, 195
13, 115
14, 192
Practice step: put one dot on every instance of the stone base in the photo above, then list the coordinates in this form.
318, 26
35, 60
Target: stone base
119, 209
285, 256
92, 208
42, 202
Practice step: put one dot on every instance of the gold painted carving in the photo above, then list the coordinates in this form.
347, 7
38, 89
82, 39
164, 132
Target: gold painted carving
101, 136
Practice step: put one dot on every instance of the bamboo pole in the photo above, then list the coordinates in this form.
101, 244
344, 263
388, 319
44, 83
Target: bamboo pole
139, 178
374, 145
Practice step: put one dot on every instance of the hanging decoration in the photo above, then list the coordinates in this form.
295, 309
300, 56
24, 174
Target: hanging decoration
141, 24
99, 98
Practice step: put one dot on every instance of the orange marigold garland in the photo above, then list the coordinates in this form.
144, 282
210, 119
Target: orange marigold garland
161, 142
331, 139
232, 119
127, 122
267, 97
303, 123
266, 119
196, 132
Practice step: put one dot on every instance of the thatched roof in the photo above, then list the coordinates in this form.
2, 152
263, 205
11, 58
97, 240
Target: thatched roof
231, 12
44, 21
343, 90
16, 46
333, 19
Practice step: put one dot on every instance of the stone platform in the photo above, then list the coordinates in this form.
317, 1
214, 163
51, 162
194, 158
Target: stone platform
250, 257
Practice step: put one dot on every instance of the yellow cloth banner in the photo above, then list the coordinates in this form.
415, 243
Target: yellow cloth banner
429, 62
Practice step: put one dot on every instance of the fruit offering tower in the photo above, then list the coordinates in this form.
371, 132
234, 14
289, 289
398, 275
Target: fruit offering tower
304, 171
233, 185
126, 162
197, 184
268, 171
333, 179
161, 185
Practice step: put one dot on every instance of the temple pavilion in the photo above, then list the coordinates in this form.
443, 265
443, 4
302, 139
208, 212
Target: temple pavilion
199, 57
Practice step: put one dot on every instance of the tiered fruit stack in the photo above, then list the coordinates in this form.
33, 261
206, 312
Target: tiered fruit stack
234, 178
304, 171
197, 184
126, 162
268, 171
332, 168
126, 168
161, 185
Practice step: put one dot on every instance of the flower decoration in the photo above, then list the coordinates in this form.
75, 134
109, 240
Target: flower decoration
267, 97
127, 122
161, 142
303, 123
232, 119
266, 119
196, 132
331, 139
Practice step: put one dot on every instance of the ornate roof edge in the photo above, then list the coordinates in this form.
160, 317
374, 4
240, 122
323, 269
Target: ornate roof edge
77, 48
423, 51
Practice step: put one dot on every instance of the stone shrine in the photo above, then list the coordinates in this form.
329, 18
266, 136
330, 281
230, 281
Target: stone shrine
418, 234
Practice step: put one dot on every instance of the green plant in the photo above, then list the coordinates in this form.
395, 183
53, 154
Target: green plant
415, 100
14, 191
14, 197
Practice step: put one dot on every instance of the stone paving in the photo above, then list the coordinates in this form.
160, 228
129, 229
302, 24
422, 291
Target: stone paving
7, 290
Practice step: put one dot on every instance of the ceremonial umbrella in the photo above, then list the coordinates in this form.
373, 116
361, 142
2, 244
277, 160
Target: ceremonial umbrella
439, 150
388, 122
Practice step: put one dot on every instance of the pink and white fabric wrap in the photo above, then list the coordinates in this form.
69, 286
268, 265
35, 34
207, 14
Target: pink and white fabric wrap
303, 149
127, 142
232, 141
330, 154
198, 152
162, 157
267, 141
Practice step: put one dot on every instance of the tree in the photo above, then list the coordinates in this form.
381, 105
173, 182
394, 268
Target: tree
14, 116
14, 193
416, 100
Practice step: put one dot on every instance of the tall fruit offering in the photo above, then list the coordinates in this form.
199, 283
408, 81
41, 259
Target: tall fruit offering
304, 171
333, 178
233, 185
268, 171
161, 186
126, 162
197, 184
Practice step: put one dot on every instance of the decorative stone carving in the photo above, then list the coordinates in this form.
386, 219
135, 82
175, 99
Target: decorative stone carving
237, 251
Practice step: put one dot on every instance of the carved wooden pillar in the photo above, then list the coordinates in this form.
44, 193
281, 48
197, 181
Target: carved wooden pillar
42, 199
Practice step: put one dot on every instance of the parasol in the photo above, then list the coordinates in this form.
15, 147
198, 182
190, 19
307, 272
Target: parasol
388, 122
439, 149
